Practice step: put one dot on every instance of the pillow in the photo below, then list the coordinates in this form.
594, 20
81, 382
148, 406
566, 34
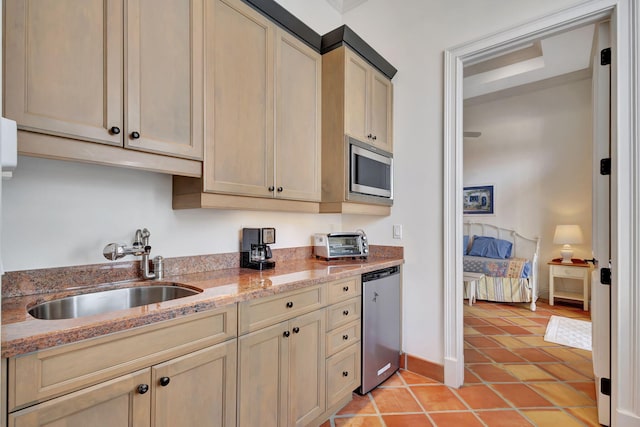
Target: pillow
490, 247
465, 245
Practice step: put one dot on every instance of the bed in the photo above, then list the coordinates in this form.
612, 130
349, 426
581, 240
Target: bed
508, 261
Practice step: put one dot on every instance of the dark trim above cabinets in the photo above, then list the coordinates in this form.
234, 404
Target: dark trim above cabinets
323, 44
286, 20
345, 35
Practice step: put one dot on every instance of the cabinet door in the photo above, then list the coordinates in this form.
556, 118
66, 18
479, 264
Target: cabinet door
239, 99
355, 97
381, 117
263, 377
201, 388
63, 67
306, 368
112, 403
298, 109
165, 71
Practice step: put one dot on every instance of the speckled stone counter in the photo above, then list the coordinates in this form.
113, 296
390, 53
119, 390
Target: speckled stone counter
219, 280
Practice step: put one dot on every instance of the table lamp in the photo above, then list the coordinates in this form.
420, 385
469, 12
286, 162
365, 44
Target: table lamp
567, 235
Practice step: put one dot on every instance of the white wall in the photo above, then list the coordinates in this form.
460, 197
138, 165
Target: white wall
59, 213
536, 149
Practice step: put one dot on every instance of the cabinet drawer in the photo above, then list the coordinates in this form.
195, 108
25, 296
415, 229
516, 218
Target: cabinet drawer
342, 313
344, 289
569, 272
262, 312
41, 375
342, 337
343, 374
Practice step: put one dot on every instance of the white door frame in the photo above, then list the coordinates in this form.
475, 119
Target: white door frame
625, 217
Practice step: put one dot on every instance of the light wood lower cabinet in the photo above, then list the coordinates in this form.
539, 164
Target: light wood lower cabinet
282, 373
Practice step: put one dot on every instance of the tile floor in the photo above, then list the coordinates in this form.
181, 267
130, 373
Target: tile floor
513, 378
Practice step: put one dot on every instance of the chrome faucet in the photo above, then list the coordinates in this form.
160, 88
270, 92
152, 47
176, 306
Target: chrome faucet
139, 247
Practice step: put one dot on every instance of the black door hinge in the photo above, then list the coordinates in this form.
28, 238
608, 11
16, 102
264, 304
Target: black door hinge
605, 276
605, 166
605, 56
605, 386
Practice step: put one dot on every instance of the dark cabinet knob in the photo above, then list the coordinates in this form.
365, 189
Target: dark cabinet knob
369, 136
115, 130
296, 330
374, 137
345, 337
345, 373
164, 381
286, 334
346, 312
135, 135
280, 189
271, 188
346, 289
143, 388
289, 304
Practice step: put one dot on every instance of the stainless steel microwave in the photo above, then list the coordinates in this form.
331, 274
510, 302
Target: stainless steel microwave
370, 173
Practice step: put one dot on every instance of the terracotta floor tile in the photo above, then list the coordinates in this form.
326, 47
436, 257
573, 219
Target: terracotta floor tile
475, 321
481, 397
563, 372
489, 330
498, 321
503, 419
393, 381
457, 419
587, 387
470, 377
359, 405
413, 378
389, 400
482, 342
528, 373
565, 354
585, 368
500, 355
521, 396
541, 321
511, 342
589, 415
516, 330
326, 424
524, 322
551, 418
469, 331
474, 356
366, 421
562, 394
534, 355
537, 330
437, 398
492, 373
536, 341
413, 420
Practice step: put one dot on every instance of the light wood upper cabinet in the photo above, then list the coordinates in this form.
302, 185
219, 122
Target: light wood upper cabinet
63, 67
165, 76
112, 403
93, 71
368, 103
263, 103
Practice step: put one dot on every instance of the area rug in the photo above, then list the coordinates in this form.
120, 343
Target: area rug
570, 332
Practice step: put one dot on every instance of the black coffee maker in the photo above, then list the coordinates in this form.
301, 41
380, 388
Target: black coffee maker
256, 252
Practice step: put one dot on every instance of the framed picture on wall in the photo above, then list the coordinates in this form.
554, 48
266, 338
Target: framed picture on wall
478, 200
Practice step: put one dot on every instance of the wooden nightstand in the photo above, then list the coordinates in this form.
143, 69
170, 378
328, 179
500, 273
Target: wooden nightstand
570, 271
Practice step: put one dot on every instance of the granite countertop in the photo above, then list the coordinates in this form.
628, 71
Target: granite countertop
23, 334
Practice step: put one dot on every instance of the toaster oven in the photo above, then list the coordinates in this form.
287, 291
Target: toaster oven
341, 245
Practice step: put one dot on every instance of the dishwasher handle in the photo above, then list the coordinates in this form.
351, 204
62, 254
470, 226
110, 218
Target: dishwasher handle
379, 274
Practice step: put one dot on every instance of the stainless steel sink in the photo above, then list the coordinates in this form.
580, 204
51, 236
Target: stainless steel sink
107, 301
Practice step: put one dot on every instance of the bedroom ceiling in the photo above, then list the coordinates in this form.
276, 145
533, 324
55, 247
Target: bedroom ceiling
563, 57
343, 6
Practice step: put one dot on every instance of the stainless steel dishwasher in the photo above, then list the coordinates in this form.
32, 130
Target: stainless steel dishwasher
380, 326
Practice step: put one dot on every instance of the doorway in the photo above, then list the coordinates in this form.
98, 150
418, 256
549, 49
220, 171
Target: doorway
625, 244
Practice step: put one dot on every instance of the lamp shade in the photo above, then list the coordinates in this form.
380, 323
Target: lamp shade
567, 234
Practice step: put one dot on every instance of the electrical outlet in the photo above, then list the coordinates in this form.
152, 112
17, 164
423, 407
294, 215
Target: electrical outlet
397, 231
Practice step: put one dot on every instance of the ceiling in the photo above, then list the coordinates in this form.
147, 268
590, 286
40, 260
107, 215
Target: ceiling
344, 6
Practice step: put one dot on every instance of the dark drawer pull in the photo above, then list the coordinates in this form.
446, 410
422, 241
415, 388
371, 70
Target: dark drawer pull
289, 304
115, 130
143, 388
346, 312
286, 334
346, 289
296, 330
164, 381
345, 373
345, 337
